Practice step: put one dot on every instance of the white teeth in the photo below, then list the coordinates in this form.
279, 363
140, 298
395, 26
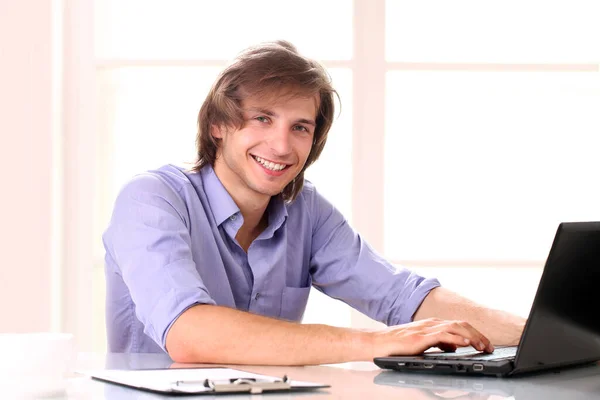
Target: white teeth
270, 165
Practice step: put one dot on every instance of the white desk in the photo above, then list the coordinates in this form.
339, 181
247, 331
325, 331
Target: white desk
355, 381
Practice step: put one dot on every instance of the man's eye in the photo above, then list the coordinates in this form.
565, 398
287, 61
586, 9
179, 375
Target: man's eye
300, 128
262, 119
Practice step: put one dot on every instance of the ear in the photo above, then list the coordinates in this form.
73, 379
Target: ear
217, 132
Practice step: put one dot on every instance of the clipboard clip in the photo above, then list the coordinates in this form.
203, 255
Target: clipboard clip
239, 385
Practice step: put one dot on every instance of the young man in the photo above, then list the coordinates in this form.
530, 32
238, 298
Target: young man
215, 264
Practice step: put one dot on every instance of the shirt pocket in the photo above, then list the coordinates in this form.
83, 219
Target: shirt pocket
293, 303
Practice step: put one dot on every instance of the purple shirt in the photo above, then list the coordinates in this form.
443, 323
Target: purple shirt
171, 244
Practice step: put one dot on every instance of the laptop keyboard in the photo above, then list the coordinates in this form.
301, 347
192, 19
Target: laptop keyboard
500, 353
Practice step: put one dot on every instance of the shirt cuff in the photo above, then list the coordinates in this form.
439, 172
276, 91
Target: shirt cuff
168, 310
413, 302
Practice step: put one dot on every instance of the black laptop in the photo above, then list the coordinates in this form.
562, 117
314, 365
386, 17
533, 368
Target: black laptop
563, 328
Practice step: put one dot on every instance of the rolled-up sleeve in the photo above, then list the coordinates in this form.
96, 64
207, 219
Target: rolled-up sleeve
148, 238
345, 267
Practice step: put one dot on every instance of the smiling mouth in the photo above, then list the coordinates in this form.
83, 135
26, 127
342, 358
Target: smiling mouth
269, 164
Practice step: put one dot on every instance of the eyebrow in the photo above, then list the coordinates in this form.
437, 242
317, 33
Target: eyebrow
272, 114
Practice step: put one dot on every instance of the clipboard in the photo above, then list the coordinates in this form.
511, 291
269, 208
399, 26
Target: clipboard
218, 380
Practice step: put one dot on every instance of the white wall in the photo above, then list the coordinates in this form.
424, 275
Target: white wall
26, 165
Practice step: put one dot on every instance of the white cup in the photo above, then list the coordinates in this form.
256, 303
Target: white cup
35, 364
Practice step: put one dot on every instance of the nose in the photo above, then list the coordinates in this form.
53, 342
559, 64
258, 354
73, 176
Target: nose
279, 141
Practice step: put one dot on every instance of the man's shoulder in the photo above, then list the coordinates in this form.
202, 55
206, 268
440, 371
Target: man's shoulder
308, 202
168, 177
170, 182
314, 203
306, 195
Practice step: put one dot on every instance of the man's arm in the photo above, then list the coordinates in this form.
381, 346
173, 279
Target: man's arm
500, 327
215, 334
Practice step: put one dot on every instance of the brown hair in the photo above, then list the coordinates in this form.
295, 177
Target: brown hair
272, 68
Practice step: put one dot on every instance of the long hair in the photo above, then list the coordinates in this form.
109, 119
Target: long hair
266, 69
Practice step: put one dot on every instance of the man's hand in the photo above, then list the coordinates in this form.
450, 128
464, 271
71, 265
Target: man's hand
416, 337
502, 328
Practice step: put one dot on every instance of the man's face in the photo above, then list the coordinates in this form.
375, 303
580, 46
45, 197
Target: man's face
267, 153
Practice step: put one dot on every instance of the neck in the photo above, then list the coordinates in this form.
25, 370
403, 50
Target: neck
255, 215
252, 205
255, 221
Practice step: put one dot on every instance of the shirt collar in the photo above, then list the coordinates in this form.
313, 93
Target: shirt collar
221, 203
277, 212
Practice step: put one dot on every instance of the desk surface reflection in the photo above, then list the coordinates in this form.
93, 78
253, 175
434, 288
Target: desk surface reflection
579, 383
353, 381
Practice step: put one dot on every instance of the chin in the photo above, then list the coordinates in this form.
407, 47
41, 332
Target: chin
267, 190
271, 192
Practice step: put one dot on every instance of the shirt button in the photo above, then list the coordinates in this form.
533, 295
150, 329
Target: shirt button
257, 296
233, 217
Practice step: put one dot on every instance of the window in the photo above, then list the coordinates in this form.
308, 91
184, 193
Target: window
491, 122
484, 165
490, 31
